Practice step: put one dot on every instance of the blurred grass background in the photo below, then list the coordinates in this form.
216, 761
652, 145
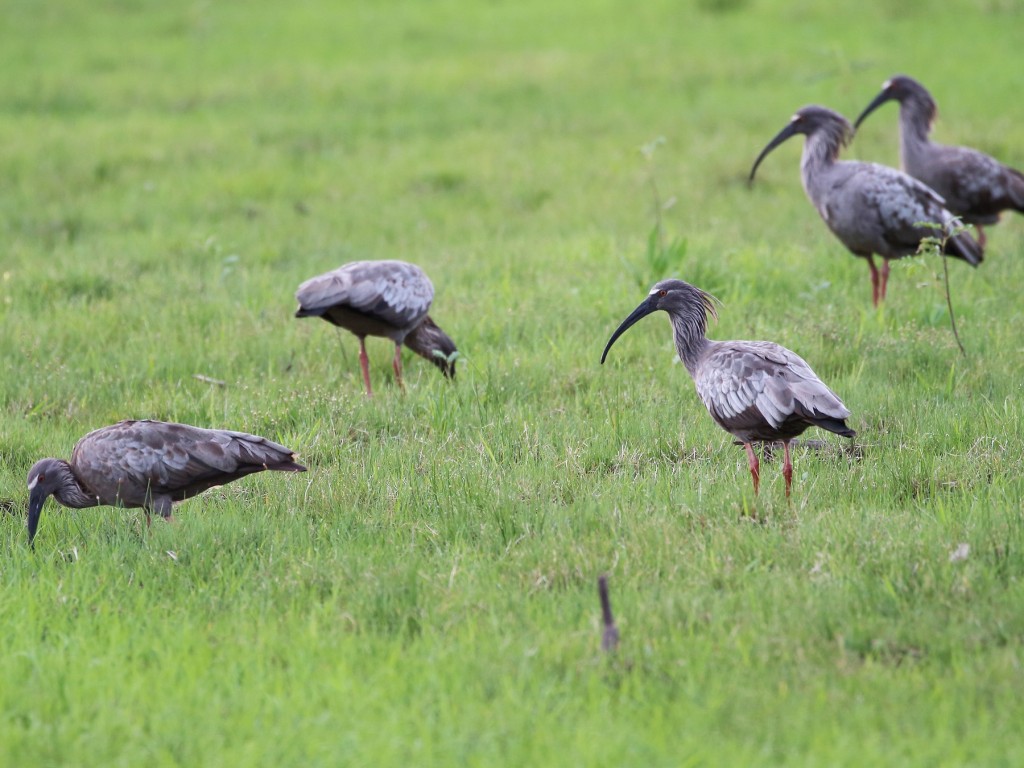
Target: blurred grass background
426, 594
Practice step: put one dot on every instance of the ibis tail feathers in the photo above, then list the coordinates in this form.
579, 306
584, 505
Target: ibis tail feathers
836, 426
965, 247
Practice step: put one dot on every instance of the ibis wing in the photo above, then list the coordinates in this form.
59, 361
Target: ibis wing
745, 384
138, 457
392, 291
900, 204
979, 184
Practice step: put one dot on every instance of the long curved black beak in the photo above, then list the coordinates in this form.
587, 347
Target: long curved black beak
645, 308
36, 500
785, 133
880, 99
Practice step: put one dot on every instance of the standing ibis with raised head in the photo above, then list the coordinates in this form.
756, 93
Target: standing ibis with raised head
871, 208
976, 187
380, 298
756, 391
150, 464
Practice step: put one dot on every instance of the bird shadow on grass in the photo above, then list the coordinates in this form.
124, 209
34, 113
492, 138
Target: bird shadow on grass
822, 448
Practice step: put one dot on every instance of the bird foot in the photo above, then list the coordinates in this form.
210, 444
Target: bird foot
749, 512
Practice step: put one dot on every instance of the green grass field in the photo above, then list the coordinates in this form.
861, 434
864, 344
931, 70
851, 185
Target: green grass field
426, 594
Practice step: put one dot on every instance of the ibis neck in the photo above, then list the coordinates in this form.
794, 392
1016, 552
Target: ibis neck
821, 151
70, 492
916, 116
915, 124
821, 148
428, 341
689, 330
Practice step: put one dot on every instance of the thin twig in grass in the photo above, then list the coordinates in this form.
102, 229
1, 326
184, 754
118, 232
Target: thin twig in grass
610, 632
949, 305
937, 244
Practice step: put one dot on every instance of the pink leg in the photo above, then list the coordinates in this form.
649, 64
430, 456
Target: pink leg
755, 466
885, 277
981, 236
364, 363
874, 281
397, 364
787, 467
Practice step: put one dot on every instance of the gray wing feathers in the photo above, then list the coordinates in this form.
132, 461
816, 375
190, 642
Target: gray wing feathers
978, 178
777, 383
1015, 182
394, 291
902, 201
171, 456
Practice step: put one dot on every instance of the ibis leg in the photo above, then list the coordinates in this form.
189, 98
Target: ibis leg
397, 364
787, 467
755, 466
981, 236
885, 278
874, 281
364, 363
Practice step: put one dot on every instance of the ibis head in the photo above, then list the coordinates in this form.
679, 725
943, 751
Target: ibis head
45, 478
428, 341
685, 304
902, 89
809, 121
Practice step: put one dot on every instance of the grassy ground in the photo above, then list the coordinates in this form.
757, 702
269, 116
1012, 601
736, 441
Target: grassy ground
426, 593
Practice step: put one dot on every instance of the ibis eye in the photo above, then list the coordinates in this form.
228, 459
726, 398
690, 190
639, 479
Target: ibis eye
663, 292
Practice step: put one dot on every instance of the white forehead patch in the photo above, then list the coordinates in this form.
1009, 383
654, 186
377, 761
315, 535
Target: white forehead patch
886, 84
33, 482
653, 291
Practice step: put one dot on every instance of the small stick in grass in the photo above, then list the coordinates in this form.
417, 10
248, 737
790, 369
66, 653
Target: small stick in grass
610, 635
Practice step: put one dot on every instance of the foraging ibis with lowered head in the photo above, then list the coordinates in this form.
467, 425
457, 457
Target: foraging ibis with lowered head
871, 208
975, 186
150, 464
380, 298
757, 391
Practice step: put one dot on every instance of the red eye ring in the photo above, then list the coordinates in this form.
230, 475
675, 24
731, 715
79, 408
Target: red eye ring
663, 292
